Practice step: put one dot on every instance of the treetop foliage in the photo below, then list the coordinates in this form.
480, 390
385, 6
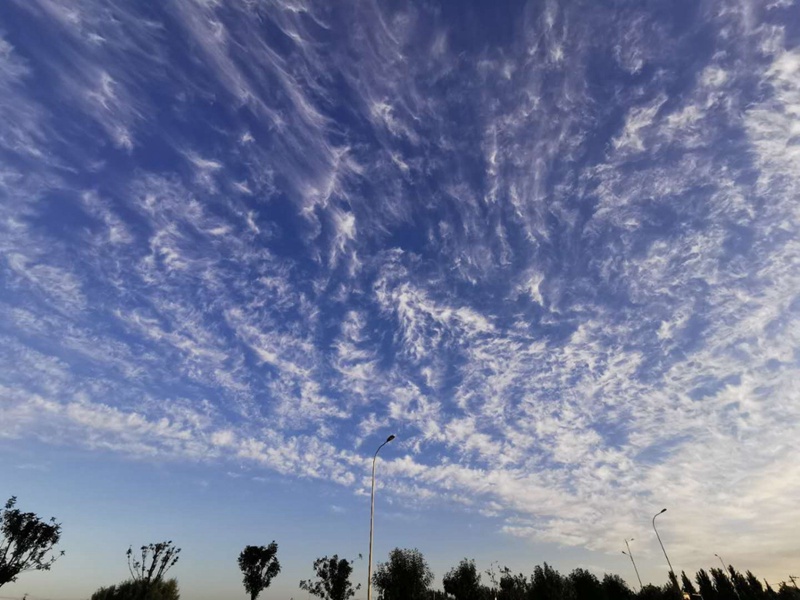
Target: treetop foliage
259, 565
546, 583
139, 589
463, 582
333, 579
405, 576
161, 556
26, 542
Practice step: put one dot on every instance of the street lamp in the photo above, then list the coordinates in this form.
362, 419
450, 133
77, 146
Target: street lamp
671, 572
372, 517
724, 568
630, 555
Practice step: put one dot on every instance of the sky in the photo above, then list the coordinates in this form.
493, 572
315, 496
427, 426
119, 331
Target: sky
551, 246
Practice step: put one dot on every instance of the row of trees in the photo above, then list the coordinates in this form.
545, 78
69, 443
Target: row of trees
28, 543
406, 576
259, 566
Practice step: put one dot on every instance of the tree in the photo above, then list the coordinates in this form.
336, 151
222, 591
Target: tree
787, 592
549, 584
652, 592
615, 588
147, 575
586, 586
463, 582
723, 584
405, 577
756, 589
162, 556
512, 587
705, 586
134, 589
333, 579
259, 565
26, 542
687, 585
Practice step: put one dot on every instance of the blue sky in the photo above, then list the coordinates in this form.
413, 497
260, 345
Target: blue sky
552, 246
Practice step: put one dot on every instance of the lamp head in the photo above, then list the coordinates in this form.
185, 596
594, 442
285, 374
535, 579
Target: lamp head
391, 437
663, 510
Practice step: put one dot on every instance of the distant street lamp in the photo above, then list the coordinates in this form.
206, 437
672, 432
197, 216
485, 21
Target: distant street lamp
372, 517
724, 568
630, 555
671, 572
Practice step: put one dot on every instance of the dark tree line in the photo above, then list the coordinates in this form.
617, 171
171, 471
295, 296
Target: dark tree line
406, 575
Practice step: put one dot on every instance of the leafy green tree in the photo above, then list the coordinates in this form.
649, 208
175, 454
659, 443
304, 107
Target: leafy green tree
156, 559
615, 588
134, 589
259, 565
333, 579
26, 543
463, 582
406, 576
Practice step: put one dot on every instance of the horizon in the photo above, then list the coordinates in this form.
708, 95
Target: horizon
553, 247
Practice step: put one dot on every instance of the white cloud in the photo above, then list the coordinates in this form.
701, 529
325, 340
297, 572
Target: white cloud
572, 297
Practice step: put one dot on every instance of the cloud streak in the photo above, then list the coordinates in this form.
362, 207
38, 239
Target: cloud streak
562, 266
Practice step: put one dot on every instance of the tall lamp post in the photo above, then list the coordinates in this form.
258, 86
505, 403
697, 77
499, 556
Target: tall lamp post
722, 562
671, 572
630, 555
372, 517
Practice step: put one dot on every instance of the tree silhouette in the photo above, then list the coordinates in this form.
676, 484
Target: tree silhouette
687, 585
652, 592
333, 579
754, 585
259, 565
586, 585
463, 582
512, 587
706, 586
134, 589
548, 584
147, 575
156, 559
26, 542
615, 588
725, 589
405, 577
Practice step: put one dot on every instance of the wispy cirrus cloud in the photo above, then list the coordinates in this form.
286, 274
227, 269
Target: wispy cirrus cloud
563, 266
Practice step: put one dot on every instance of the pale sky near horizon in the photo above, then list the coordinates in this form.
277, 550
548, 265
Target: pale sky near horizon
552, 246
